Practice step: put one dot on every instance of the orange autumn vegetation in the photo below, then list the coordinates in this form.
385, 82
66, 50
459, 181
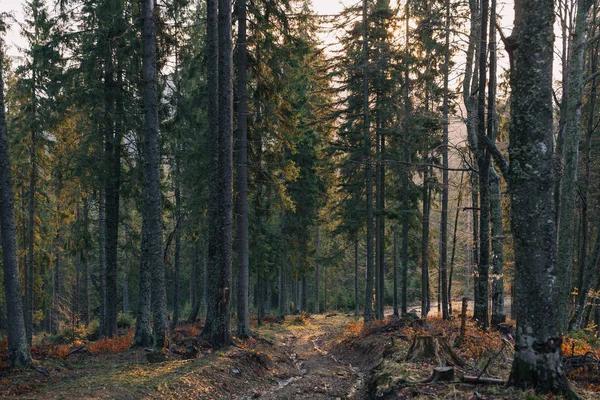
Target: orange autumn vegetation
113, 345
577, 347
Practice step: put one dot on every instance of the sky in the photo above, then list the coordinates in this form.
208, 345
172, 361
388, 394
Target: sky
14, 40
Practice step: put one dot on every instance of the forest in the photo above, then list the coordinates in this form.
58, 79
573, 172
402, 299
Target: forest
217, 199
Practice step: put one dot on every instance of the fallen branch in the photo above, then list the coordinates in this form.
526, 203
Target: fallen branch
39, 369
78, 349
477, 380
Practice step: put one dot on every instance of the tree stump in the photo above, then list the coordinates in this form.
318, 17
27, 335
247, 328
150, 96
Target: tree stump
427, 347
441, 374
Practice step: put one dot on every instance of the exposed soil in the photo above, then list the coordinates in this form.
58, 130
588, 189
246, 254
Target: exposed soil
319, 357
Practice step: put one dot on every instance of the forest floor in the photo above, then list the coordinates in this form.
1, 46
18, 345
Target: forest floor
304, 357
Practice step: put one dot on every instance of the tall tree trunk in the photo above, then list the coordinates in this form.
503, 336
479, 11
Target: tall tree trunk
454, 239
498, 313
538, 358
212, 77
566, 214
585, 191
18, 348
425, 246
483, 163
29, 306
356, 305
368, 313
222, 333
85, 256
317, 263
102, 258
219, 50
405, 173
152, 197
112, 153
381, 212
395, 262
243, 313
196, 283
284, 307
445, 186
57, 289
143, 333
470, 85
177, 255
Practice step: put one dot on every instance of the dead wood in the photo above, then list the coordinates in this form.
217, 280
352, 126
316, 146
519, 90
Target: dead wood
427, 347
440, 374
478, 380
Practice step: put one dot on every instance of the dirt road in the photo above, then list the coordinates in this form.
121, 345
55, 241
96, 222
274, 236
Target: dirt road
320, 374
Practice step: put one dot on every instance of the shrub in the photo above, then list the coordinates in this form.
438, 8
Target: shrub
112, 346
125, 321
93, 331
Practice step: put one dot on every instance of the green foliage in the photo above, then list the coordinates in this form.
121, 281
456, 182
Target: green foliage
125, 321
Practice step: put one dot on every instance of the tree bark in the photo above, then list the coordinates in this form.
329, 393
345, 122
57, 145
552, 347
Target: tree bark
196, 283
405, 174
395, 261
498, 313
445, 187
18, 348
356, 305
317, 283
454, 239
152, 196
219, 51
566, 214
243, 316
425, 246
483, 163
538, 358
368, 310
102, 259
85, 255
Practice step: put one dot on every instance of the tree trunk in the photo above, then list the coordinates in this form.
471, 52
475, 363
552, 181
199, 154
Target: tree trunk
445, 187
152, 196
112, 153
284, 307
102, 259
212, 78
356, 305
470, 83
57, 289
317, 283
405, 174
395, 261
177, 255
425, 246
538, 358
18, 349
381, 212
219, 50
196, 283
85, 255
368, 313
243, 316
29, 289
143, 334
498, 313
483, 162
454, 239
566, 213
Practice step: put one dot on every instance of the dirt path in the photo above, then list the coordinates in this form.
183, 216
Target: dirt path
320, 374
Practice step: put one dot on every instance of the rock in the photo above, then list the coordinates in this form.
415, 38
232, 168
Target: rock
235, 372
